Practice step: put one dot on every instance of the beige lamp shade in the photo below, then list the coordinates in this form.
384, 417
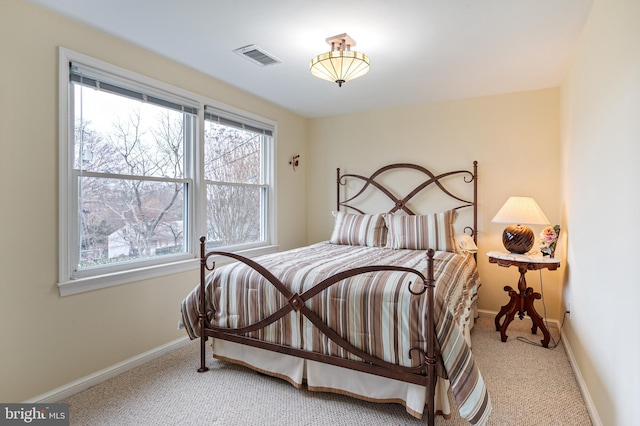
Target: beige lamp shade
522, 210
519, 212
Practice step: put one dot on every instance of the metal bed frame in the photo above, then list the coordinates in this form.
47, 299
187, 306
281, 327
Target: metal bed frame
424, 374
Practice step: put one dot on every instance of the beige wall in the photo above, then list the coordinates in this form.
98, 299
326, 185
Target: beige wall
514, 138
49, 341
601, 177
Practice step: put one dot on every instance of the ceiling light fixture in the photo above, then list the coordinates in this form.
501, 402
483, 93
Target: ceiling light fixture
341, 64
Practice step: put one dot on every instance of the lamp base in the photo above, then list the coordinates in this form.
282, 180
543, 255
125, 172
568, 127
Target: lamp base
518, 238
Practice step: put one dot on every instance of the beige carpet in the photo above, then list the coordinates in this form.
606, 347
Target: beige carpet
529, 385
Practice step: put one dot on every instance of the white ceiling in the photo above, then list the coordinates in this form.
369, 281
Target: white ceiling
420, 50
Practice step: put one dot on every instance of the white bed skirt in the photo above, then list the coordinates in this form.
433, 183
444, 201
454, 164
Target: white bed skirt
328, 378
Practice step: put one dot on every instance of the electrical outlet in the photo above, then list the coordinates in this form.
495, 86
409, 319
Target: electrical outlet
569, 309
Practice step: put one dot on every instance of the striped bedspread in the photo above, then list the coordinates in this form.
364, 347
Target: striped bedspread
375, 311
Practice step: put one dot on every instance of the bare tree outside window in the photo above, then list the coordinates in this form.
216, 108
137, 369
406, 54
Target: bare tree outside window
130, 179
235, 191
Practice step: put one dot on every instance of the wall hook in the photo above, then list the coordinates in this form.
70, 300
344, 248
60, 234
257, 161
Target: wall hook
294, 162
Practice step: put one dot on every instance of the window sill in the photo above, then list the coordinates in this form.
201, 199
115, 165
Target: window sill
83, 285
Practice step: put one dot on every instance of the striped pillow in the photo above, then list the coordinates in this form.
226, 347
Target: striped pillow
359, 230
421, 232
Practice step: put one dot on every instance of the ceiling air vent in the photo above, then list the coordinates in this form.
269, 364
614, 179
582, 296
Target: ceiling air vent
257, 55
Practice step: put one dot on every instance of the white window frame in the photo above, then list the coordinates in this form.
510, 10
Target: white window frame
256, 128
71, 282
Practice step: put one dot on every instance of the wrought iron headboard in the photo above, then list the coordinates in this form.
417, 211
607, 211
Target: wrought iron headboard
400, 203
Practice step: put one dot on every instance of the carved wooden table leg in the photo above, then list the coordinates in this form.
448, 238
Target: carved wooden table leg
537, 320
510, 312
506, 308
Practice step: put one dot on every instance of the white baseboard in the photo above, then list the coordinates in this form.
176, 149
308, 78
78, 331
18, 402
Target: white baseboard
100, 376
586, 396
588, 401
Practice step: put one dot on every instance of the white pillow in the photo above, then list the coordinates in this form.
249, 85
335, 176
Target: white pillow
465, 243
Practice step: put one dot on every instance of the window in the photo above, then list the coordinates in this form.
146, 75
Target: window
128, 172
146, 168
235, 180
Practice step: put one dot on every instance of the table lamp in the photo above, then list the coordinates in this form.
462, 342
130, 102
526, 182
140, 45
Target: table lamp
519, 212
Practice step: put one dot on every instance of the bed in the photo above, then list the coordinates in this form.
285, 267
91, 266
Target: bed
381, 311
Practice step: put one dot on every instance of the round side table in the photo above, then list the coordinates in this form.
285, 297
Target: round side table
521, 301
